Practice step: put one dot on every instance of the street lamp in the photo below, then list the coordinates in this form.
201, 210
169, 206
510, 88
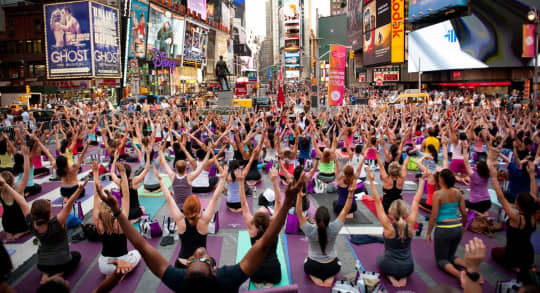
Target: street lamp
532, 16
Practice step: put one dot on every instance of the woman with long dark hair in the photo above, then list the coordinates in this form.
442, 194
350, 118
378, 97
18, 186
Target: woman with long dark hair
322, 263
269, 273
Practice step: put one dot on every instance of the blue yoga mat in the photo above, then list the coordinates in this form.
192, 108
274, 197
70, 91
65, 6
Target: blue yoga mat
244, 244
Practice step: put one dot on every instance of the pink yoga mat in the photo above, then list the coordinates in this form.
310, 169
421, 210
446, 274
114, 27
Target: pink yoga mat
368, 253
297, 249
213, 245
490, 243
88, 250
230, 220
130, 282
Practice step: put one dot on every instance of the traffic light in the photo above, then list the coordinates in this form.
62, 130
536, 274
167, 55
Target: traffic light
27, 89
351, 54
313, 62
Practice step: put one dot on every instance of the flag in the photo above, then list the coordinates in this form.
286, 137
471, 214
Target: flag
529, 32
280, 97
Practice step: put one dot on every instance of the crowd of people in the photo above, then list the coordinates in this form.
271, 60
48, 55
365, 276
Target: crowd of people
459, 153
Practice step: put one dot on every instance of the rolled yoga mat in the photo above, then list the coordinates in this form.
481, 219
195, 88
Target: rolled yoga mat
143, 193
130, 282
231, 220
367, 255
244, 244
213, 245
88, 251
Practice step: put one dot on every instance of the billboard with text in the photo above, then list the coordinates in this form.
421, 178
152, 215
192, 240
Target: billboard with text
139, 29
106, 35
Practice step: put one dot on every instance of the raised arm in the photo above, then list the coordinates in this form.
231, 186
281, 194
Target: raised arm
174, 210
19, 187
163, 162
246, 213
124, 188
138, 179
19, 199
208, 214
381, 214
411, 219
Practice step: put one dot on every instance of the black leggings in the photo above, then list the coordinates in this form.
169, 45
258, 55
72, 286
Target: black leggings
446, 242
41, 171
32, 190
480, 207
268, 272
63, 268
68, 191
322, 271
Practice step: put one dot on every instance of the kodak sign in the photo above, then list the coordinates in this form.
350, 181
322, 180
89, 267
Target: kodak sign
398, 31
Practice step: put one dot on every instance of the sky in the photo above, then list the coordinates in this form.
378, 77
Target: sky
256, 13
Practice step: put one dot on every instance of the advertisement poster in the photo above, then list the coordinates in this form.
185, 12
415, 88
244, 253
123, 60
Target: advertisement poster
246, 63
195, 41
178, 27
377, 45
291, 11
336, 75
386, 73
225, 15
210, 11
107, 57
354, 24
529, 31
139, 29
199, 6
68, 40
419, 9
398, 31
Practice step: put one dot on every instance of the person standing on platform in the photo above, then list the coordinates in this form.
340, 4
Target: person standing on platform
221, 72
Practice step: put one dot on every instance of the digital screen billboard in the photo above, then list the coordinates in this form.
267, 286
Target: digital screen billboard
68, 40
225, 15
490, 37
291, 11
139, 29
199, 6
377, 32
354, 24
164, 33
421, 9
107, 59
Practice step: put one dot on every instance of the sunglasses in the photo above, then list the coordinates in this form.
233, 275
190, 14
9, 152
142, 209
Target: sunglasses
209, 261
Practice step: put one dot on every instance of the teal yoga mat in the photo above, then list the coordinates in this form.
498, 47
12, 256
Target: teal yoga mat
244, 244
151, 206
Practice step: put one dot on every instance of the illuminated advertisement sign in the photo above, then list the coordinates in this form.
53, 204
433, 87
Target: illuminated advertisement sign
106, 40
336, 75
377, 28
291, 21
139, 29
386, 73
420, 9
199, 6
195, 42
354, 24
398, 32
68, 40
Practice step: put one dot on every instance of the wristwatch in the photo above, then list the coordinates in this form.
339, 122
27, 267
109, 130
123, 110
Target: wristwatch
475, 276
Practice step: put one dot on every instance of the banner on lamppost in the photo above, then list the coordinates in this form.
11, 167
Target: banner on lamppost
336, 75
529, 32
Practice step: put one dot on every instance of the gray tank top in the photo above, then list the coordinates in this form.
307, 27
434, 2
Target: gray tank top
181, 190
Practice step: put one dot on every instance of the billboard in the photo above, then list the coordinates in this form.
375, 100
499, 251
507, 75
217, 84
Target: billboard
421, 9
490, 37
398, 31
210, 11
68, 42
164, 33
139, 29
199, 6
195, 42
291, 35
377, 30
336, 75
246, 63
107, 58
178, 27
225, 15
291, 11
377, 45
354, 24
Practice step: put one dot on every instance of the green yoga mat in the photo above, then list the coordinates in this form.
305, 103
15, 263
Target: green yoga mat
244, 244
142, 193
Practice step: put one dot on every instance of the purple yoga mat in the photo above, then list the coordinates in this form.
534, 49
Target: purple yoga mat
490, 244
408, 198
368, 254
213, 245
20, 240
46, 187
130, 282
297, 247
230, 220
88, 192
88, 250
424, 255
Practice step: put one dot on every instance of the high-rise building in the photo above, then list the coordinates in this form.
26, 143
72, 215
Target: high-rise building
338, 7
266, 54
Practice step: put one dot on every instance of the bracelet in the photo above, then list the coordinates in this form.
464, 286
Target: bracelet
117, 213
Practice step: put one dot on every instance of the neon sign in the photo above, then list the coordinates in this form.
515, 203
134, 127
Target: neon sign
160, 60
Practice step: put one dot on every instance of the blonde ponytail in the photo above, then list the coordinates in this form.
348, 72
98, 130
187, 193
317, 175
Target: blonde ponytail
398, 210
401, 229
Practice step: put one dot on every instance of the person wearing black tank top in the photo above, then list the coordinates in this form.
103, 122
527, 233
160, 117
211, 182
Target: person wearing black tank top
115, 261
269, 273
192, 227
518, 254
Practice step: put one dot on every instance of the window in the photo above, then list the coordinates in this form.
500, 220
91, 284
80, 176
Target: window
29, 47
37, 26
20, 47
11, 47
37, 47
11, 26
